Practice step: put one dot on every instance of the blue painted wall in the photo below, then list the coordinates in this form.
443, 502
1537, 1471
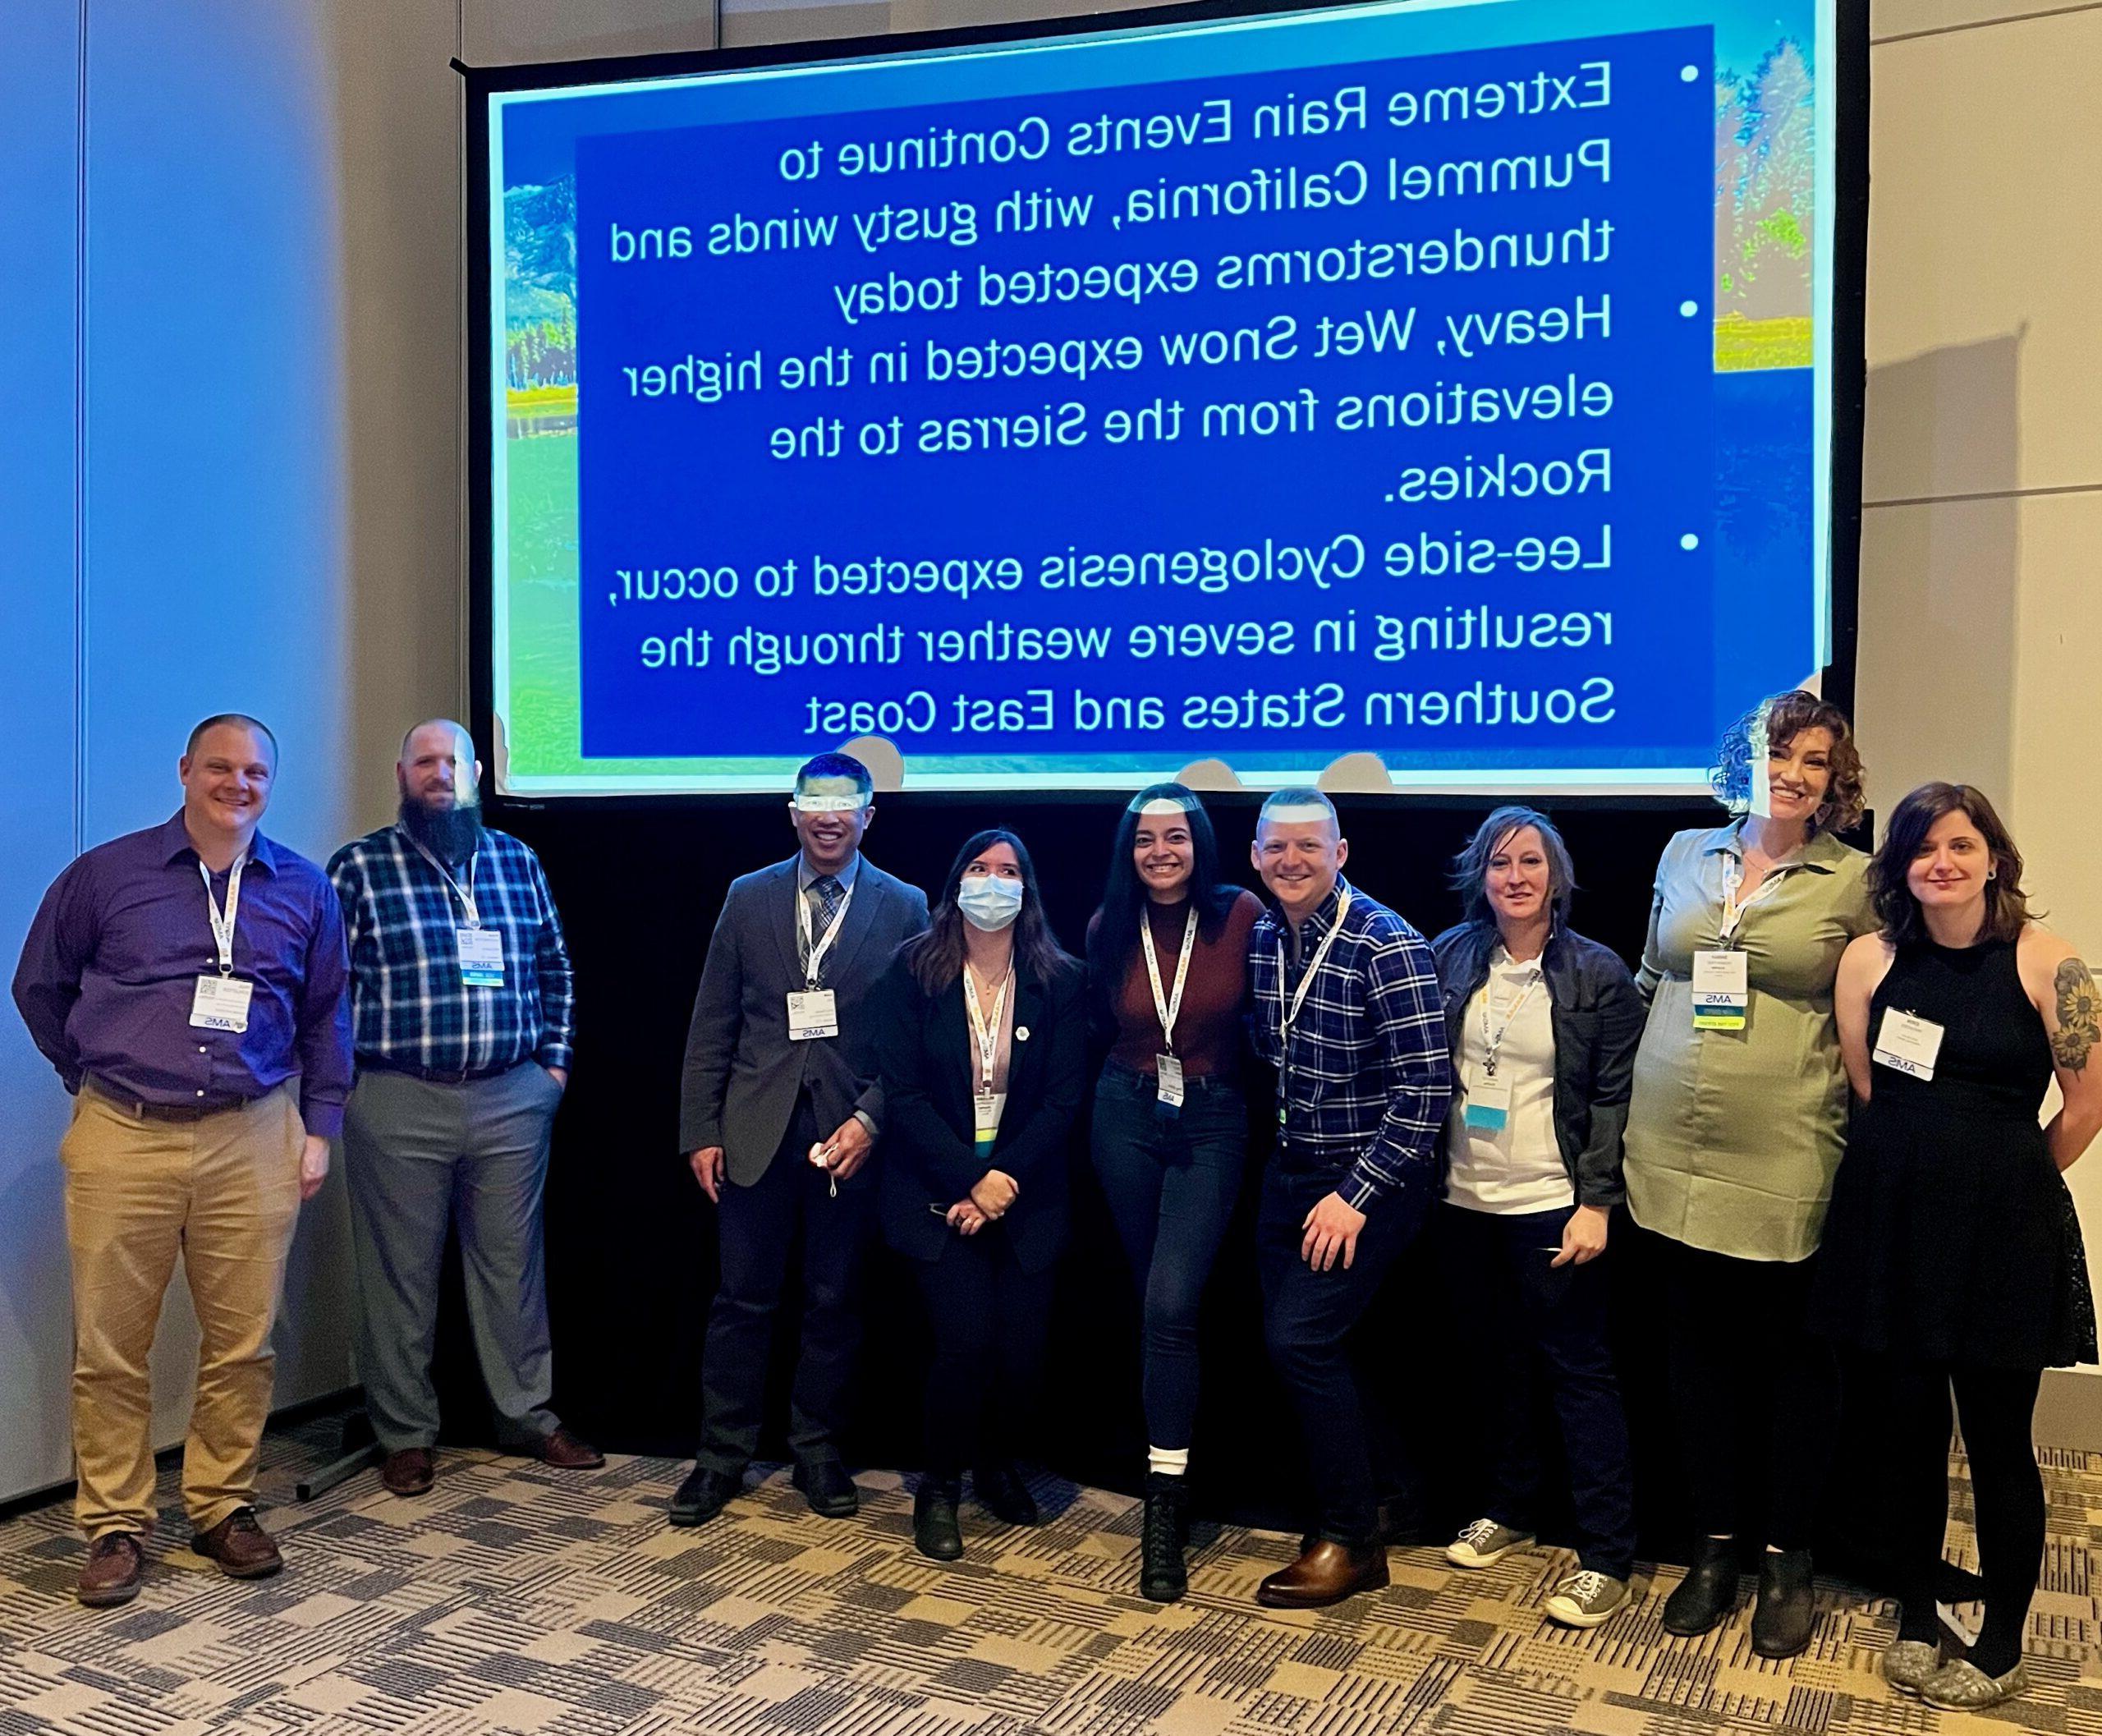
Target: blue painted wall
174, 483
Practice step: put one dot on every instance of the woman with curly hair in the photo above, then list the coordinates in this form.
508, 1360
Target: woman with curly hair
1953, 1258
1735, 1128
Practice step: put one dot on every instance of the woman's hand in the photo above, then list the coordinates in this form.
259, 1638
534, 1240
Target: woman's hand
966, 1219
1583, 1237
994, 1193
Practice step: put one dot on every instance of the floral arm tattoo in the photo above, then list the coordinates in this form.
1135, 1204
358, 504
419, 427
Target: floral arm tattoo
2080, 1017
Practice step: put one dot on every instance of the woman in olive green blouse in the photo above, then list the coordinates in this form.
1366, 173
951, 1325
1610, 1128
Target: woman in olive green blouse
1736, 1127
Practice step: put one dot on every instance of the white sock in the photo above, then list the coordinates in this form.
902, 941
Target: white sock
1168, 1461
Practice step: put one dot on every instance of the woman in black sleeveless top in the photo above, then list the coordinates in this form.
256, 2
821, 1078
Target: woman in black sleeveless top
1952, 1256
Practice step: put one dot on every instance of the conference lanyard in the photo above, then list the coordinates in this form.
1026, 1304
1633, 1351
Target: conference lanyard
465, 894
222, 921
1494, 1040
1732, 877
1288, 1012
814, 951
985, 1033
1168, 1007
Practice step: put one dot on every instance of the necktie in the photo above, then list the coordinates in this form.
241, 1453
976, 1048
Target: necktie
826, 895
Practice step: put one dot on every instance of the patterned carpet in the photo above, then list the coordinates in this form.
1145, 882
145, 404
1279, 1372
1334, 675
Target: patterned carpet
516, 1598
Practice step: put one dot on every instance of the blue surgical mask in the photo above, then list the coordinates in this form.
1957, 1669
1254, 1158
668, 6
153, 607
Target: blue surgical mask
988, 902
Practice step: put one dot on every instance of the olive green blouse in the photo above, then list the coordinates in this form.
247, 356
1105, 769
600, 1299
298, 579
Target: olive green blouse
1734, 1136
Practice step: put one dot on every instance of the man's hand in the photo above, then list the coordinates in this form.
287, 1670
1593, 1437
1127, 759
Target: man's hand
1583, 1237
560, 1075
966, 1219
1331, 1229
313, 1165
995, 1192
848, 1149
708, 1167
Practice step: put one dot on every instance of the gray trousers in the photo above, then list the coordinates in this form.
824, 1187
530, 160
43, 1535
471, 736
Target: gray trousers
420, 1158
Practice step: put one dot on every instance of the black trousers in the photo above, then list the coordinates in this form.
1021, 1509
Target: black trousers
1749, 1383
991, 1320
1171, 1183
792, 1206
1541, 1324
1995, 1406
1340, 1386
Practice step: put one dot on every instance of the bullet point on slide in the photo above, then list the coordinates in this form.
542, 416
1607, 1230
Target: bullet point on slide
1689, 541
1687, 75
1687, 310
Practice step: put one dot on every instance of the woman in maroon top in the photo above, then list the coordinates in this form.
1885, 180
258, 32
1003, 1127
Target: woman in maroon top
1167, 957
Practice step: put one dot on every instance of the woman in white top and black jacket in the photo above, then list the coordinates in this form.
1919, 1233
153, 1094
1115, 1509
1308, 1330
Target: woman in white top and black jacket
982, 1046
1543, 1025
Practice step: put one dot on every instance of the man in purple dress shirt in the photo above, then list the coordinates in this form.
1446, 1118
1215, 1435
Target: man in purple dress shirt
189, 982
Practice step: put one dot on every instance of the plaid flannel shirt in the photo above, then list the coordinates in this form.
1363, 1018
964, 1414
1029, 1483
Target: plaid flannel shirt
1364, 1089
408, 1007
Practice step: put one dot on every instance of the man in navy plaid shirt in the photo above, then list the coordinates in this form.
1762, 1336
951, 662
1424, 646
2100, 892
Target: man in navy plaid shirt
1346, 1008
460, 997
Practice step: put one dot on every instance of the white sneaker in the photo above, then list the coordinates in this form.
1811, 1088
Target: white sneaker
1484, 1543
1585, 1600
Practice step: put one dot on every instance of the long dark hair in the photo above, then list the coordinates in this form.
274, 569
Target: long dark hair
1112, 940
935, 956
2006, 905
1470, 873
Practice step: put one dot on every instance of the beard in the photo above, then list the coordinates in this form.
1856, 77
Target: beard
451, 834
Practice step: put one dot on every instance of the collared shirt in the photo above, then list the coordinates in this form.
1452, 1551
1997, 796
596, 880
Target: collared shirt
413, 1008
1733, 1136
108, 976
807, 877
1366, 1082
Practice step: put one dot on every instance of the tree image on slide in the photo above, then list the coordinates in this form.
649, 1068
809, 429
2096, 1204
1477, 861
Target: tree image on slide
1765, 192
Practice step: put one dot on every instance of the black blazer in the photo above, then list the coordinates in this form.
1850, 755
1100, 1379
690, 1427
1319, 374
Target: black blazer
930, 1155
1597, 1018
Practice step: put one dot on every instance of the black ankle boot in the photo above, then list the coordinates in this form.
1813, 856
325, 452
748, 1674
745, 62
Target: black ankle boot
1163, 1577
1708, 1593
1786, 1611
935, 1531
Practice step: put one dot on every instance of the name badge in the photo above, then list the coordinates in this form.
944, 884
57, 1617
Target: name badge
221, 1004
481, 957
1169, 1090
812, 1013
1488, 1102
1908, 1044
1722, 990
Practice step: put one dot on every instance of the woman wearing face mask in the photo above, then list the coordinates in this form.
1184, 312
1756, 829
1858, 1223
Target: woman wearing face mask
1168, 975
1736, 1126
1951, 1257
982, 1049
1543, 1025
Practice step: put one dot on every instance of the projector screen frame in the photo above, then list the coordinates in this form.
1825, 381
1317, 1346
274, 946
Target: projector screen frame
1846, 63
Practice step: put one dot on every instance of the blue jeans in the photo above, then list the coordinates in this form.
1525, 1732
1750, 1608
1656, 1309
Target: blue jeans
1342, 1385
1171, 1183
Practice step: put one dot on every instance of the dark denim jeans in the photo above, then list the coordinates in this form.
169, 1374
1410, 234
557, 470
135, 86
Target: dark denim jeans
1171, 1184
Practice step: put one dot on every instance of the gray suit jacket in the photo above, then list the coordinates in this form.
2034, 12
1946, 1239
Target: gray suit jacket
742, 1074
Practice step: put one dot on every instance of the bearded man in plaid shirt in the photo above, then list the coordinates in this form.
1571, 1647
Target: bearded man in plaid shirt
460, 997
1347, 1009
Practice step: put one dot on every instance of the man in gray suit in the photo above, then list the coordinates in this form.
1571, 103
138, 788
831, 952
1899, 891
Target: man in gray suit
779, 1110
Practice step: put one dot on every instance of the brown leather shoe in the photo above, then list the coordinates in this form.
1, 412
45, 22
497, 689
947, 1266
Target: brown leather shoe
116, 1561
409, 1472
565, 1452
241, 1546
1326, 1575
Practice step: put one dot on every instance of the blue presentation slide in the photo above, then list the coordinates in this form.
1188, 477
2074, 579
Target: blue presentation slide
1427, 382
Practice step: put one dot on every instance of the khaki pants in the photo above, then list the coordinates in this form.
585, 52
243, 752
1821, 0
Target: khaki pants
224, 1190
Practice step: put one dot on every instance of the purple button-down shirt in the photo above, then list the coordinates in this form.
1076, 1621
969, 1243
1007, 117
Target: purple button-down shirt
109, 972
